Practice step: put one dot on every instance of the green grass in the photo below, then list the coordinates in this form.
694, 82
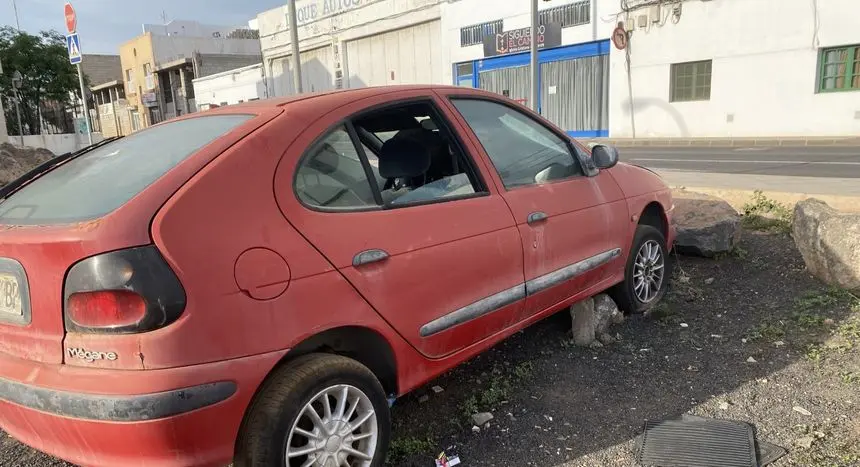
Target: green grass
767, 215
850, 377
767, 332
401, 449
498, 389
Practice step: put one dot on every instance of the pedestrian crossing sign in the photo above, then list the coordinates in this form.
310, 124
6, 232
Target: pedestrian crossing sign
73, 44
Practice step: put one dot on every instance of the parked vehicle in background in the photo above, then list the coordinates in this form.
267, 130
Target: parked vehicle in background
252, 284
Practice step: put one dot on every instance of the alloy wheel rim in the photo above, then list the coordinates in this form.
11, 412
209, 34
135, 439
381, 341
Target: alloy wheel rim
648, 271
336, 428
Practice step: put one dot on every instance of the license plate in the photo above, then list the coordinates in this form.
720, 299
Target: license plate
10, 296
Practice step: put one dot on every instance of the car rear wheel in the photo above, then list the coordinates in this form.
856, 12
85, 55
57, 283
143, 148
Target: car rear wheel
646, 274
321, 410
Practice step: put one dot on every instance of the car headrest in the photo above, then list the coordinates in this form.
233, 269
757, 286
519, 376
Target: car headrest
325, 160
403, 158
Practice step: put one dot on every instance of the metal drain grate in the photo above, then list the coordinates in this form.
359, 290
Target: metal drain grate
697, 442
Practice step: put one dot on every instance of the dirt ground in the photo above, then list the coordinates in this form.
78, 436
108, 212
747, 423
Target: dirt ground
750, 337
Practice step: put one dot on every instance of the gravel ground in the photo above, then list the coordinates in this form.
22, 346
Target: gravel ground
748, 337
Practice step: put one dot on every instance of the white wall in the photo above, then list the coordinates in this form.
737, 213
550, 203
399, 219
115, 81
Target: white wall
169, 48
58, 144
765, 56
231, 86
350, 20
515, 14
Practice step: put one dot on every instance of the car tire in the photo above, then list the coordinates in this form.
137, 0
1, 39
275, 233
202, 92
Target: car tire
283, 404
630, 295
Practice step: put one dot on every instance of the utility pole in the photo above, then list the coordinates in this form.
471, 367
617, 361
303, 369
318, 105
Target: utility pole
294, 40
17, 82
84, 105
17, 23
534, 56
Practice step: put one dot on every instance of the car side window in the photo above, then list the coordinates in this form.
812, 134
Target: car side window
418, 159
332, 175
523, 151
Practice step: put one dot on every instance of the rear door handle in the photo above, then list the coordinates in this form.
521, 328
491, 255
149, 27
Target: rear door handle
536, 217
369, 256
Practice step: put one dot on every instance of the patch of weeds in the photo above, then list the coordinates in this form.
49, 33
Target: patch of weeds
401, 449
497, 390
765, 214
768, 332
850, 377
814, 353
806, 320
736, 252
819, 299
682, 288
849, 330
524, 370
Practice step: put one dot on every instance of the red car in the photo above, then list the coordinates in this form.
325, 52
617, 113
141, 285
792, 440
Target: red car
254, 284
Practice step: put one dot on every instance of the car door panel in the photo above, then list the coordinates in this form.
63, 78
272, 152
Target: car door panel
574, 246
445, 274
574, 238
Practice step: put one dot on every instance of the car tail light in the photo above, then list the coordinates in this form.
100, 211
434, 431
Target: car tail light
109, 308
123, 292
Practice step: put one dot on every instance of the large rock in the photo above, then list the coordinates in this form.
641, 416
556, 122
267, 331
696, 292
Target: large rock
829, 242
584, 322
606, 312
706, 225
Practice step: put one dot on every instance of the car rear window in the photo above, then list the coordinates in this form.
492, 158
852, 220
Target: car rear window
95, 183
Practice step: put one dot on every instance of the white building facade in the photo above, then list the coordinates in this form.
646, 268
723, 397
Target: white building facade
679, 68
231, 87
735, 68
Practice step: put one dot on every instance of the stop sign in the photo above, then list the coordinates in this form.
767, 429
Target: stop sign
71, 18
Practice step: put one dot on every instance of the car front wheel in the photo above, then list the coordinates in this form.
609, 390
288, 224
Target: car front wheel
320, 410
646, 274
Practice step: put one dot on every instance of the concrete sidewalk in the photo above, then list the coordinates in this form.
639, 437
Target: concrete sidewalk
793, 141
840, 193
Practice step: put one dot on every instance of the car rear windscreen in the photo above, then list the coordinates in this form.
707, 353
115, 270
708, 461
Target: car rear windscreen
97, 182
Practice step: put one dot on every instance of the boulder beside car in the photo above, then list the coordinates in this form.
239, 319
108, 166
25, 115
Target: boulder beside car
829, 241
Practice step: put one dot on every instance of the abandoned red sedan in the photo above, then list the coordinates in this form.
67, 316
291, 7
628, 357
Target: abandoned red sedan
254, 283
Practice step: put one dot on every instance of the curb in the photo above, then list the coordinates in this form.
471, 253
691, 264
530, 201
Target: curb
738, 197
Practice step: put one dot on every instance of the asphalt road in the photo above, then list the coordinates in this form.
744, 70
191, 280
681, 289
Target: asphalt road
817, 162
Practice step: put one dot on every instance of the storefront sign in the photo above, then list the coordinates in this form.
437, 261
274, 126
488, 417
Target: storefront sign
519, 40
149, 99
308, 12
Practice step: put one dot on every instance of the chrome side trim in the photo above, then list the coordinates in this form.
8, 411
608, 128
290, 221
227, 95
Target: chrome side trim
568, 272
474, 310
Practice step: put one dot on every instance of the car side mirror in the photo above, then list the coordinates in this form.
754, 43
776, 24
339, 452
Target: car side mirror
604, 157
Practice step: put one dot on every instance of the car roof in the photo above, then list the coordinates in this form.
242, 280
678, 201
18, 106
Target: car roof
341, 97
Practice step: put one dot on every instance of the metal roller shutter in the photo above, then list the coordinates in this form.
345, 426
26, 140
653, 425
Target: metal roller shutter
405, 56
317, 72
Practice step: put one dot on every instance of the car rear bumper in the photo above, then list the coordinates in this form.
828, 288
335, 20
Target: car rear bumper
186, 416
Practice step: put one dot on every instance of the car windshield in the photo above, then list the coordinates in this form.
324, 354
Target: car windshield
98, 182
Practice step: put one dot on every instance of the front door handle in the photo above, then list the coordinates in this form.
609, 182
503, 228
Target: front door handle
369, 256
536, 217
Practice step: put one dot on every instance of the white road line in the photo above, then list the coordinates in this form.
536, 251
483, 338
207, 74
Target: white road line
731, 161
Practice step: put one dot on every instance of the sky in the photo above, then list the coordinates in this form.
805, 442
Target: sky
105, 24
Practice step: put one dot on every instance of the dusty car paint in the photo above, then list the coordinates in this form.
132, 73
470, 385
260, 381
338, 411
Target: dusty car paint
455, 278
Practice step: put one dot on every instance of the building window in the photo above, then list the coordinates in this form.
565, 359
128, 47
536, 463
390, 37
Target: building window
475, 34
129, 80
691, 81
573, 14
840, 69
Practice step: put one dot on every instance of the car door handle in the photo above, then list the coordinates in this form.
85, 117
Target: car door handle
369, 256
536, 217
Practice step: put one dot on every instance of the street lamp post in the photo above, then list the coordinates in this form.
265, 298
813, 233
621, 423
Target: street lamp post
17, 82
294, 40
